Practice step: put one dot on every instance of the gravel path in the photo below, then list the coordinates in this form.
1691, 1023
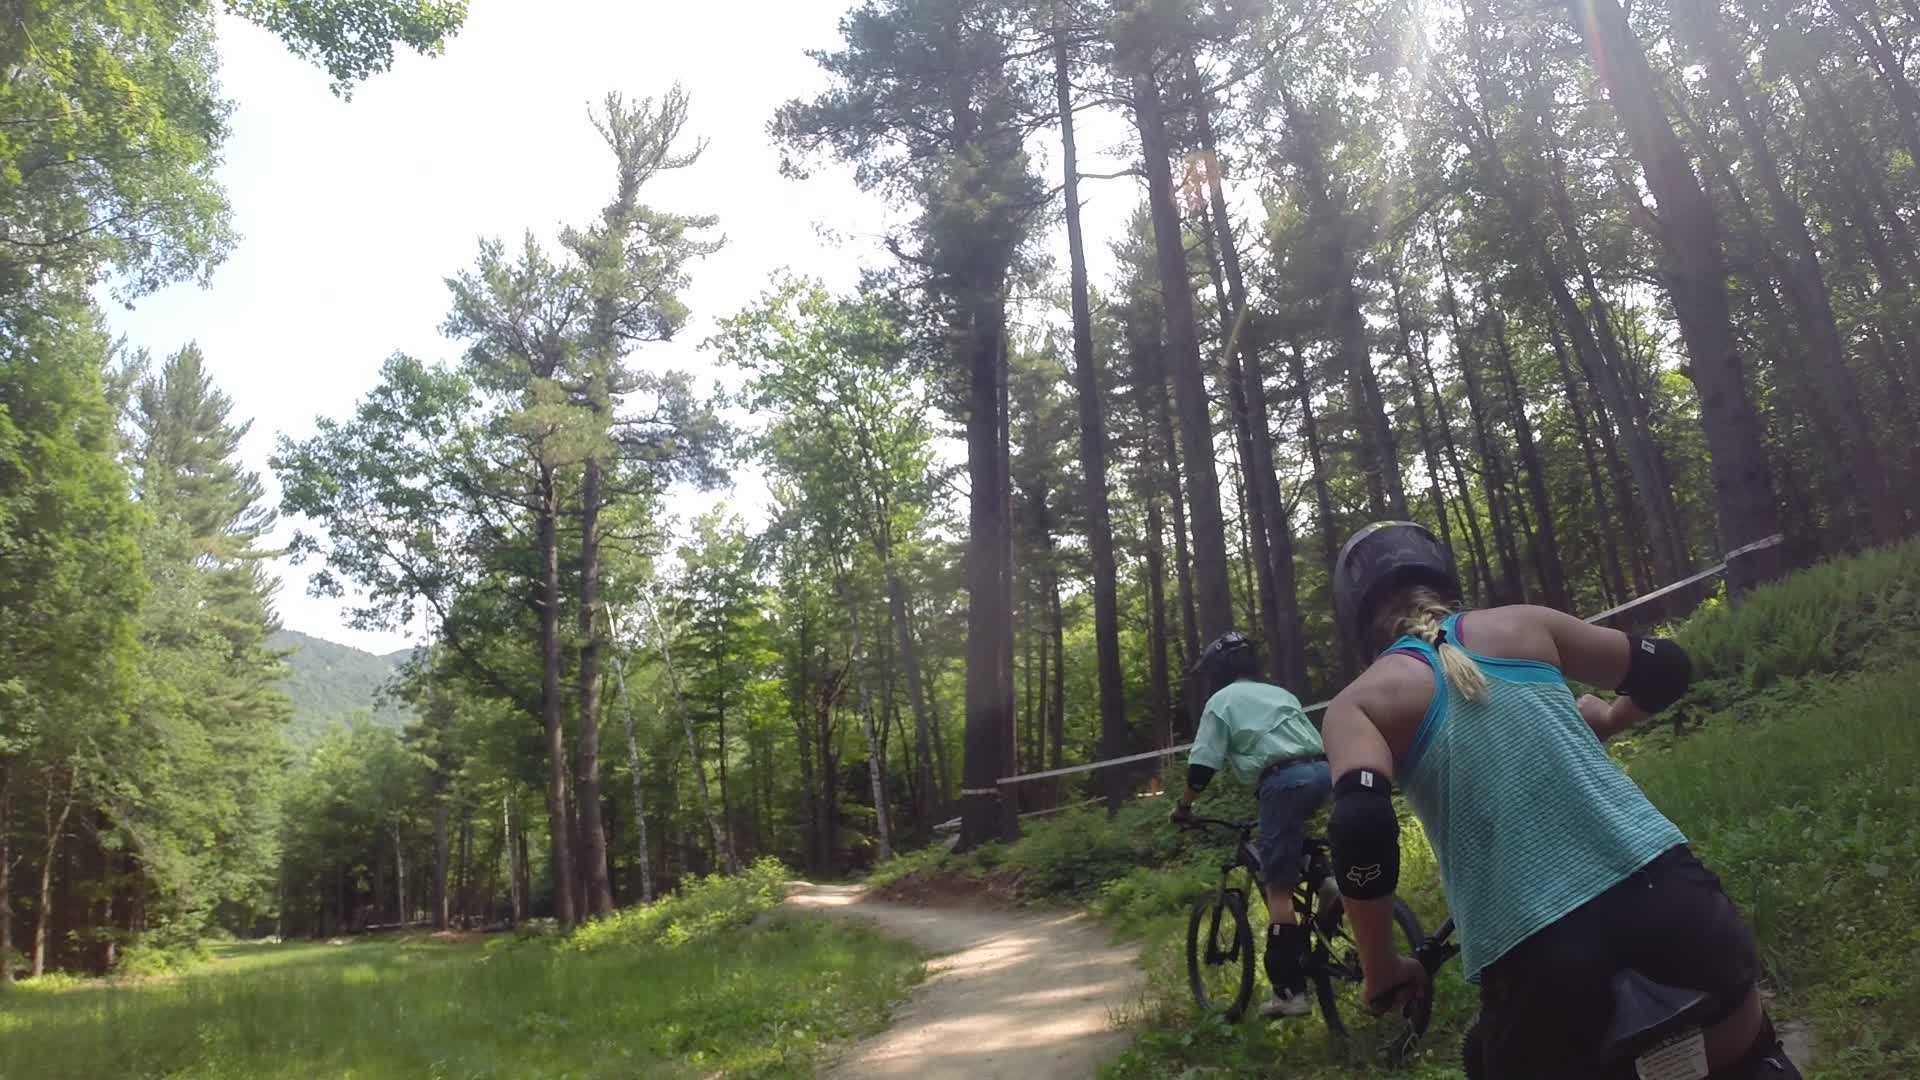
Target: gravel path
1010, 993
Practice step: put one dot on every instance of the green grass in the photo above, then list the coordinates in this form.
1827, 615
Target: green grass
712, 997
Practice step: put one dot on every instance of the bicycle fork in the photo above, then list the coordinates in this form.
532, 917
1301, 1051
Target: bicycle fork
1214, 953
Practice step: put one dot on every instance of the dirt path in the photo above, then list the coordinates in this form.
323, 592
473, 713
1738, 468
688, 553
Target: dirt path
1012, 993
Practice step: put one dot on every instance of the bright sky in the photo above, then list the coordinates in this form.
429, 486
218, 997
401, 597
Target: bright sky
353, 213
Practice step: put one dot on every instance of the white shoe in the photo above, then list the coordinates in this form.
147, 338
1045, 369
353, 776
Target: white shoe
1286, 1004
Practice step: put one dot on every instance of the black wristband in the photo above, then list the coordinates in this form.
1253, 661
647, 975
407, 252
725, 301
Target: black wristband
1199, 776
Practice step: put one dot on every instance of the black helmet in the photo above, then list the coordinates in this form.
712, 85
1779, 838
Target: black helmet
1226, 658
1382, 559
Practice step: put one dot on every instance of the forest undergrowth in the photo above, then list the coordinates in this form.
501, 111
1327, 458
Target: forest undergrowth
1793, 767
693, 985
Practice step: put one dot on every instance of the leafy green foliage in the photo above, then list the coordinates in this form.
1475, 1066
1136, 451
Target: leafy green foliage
354, 39
113, 125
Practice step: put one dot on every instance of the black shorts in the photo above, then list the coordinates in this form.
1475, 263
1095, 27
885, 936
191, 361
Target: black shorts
1545, 1005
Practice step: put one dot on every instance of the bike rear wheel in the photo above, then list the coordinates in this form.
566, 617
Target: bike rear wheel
1334, 970
1220, 954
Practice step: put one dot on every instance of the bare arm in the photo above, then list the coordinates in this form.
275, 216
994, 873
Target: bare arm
1592, 654
1610, 718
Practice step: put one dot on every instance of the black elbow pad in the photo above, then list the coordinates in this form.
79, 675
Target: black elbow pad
1366, 836
1658, 673
1199, 776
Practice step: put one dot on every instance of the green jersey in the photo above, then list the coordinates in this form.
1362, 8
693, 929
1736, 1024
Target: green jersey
1250, 724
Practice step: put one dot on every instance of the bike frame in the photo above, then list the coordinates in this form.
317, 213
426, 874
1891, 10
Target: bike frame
1315, 865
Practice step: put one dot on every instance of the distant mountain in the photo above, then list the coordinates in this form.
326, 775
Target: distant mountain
328, 682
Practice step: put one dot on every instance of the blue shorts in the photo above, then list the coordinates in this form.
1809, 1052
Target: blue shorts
1288, 798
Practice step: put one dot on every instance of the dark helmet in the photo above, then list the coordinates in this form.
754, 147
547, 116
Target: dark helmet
1226, 658
1382, 559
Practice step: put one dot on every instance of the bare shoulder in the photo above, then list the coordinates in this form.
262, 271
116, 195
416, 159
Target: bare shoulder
1515, 632
1394, 693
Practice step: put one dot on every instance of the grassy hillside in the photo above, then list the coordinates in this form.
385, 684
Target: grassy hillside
683, 988
328, 682
1791, 768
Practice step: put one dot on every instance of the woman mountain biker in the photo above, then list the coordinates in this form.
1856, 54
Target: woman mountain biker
1261, 731
1558, 871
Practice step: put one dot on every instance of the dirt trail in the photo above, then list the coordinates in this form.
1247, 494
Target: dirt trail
1012, 994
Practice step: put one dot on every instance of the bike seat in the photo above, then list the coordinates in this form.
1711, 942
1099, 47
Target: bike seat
1645, 1011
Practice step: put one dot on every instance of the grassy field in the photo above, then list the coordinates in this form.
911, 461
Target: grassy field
682, 990
1794, 770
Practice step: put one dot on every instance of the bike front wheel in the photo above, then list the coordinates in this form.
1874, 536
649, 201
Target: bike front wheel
1335, 973
1220, 955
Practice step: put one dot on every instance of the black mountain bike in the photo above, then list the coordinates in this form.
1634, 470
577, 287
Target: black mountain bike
1220, 945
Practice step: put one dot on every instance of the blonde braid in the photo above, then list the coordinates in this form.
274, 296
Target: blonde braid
1419, 612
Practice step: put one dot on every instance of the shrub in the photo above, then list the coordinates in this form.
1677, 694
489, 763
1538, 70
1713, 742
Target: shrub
910, 864
1839, 616
701, 909
146, 956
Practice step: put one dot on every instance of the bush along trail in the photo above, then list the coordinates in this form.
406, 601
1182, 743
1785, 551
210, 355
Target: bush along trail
1793, 767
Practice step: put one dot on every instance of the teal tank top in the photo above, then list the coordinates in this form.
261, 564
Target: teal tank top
1528, 816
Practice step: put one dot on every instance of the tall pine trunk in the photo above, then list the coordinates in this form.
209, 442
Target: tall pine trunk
516, 900
1429, 451
876, 754
1690, 234
399, 878
1511, 587
641, 856
1176, 498
1803, 281
925, 793
1343, 654
441, 855
1596, 347
989, 616
722, 846
6, 871
1093, 454
1057, 700
1213, 593
56, 831
1261, 599
598, 900
1159, 682
1316, 458
1287, 648
556, 746
1553, 578
1613, 577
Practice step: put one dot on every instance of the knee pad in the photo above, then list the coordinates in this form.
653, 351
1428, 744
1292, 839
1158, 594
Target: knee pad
1766, 1059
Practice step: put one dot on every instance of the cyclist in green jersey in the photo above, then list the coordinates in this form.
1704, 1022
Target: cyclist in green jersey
1261, 732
